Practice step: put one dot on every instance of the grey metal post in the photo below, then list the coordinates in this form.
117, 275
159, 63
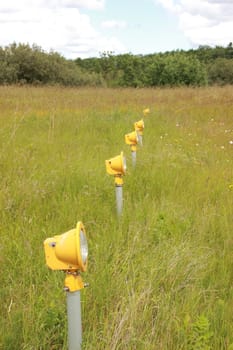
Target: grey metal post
134, 156
119, 199
74, 320
140, 139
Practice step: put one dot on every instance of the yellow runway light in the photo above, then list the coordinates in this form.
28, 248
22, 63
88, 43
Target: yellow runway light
139, 126
131, 138
116, 166
68, 251
146, 111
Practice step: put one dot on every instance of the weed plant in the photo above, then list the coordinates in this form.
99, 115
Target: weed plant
161, 275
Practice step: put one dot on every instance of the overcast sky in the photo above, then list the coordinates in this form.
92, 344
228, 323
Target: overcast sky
84, 28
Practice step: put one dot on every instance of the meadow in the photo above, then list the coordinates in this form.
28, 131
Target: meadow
160, 277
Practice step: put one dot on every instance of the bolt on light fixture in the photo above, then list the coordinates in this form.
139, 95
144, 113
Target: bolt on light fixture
132, 140
68, 252
139, 127
117, 166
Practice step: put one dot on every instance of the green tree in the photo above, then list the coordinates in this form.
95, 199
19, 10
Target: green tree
221, 71
178, 69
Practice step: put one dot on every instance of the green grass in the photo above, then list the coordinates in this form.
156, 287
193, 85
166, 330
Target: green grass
161, 276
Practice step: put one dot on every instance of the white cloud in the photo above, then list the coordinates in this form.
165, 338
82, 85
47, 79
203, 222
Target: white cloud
17, 5
113, 24
204, 22
167, 4
88, 4
55, 25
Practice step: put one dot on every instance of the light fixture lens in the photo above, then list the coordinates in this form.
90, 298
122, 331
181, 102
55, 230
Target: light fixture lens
83, 247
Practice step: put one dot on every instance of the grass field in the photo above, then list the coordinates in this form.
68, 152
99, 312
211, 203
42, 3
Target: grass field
161, 276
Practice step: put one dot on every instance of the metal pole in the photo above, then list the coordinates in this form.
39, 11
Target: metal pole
140, 139
119, 199
134, 153
74, 320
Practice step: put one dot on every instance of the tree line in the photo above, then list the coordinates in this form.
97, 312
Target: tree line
25, 64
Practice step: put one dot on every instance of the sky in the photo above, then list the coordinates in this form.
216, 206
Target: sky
87, 28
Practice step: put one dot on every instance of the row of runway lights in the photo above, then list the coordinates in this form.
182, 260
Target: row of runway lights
117, 165
68, 252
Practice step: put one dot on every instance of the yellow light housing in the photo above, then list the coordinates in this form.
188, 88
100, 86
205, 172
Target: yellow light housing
146, 111
68, 251
131, 138
139, 126
116, 165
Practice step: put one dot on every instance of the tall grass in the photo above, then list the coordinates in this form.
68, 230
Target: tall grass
161, 277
